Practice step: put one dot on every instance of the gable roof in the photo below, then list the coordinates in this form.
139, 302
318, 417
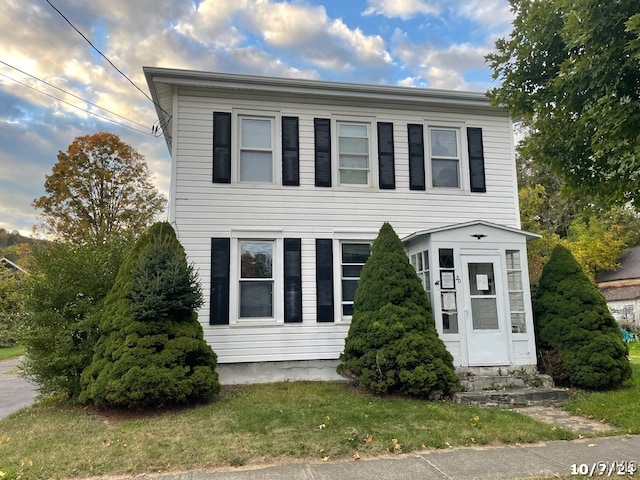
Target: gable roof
629, 267
10, 264
529, 235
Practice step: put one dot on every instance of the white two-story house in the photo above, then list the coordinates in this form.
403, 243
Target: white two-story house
279, 186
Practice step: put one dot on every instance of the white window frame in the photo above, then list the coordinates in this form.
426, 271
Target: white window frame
371, 124
274, 118
276, 238
462, 157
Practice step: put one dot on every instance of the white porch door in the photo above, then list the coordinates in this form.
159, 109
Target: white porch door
484, 311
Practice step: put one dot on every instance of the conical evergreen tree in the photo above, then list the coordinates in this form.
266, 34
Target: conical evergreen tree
578, 340
393, 345
151, 350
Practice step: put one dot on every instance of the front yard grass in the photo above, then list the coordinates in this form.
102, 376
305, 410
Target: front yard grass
11, 352
264, 424
248, 425
617, 407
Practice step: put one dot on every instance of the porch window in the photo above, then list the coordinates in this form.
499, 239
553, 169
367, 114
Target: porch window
354, 256
516, 292
447, 283
420, 262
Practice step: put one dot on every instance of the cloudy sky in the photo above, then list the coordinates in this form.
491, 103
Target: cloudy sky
53, 83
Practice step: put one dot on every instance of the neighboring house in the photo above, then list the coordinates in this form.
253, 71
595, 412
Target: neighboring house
5, 262
621, 288
278, 187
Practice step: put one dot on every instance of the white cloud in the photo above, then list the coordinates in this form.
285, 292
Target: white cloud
404, 9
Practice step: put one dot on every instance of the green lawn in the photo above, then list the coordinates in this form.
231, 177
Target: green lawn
254, 424
618, 407
11, 352
269, 423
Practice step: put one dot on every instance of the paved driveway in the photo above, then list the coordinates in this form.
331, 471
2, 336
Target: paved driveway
15, 391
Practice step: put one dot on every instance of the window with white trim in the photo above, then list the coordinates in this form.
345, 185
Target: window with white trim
256, 142
516, 292
354, 153
445, 157
420, 262
353, 257
256, 279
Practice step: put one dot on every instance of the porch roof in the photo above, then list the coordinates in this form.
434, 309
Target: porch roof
420, 233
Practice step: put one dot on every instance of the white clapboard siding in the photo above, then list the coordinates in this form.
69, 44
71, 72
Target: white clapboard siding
201, 209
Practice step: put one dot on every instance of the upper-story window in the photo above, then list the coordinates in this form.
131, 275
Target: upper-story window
256, 149
444, 155
354, 163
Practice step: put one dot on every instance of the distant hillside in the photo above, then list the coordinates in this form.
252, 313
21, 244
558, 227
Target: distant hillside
8, 238
16, 247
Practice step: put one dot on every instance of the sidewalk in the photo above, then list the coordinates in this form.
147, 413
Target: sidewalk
616, 457
15, 391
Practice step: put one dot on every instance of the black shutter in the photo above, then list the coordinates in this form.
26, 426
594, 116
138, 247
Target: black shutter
292, 280
416, 157
386, 163
476, 160
324, 280
221, 147
290, 152
322, 133
219, 313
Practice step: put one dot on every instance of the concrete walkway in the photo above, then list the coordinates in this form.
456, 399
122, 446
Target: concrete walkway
15, 391
607, 457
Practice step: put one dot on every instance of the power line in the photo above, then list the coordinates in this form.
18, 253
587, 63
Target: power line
75, 106
72, 95
162, 123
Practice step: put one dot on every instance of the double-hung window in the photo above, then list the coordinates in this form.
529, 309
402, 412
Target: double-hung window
445, 157
353, 258
256, 281
256, 148
354, 159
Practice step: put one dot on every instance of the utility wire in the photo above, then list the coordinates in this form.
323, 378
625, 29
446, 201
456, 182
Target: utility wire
72, 95
111, 63
75, 106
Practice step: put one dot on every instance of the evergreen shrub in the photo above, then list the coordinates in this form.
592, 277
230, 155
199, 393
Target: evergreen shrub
579, 342
392, 346
151, 350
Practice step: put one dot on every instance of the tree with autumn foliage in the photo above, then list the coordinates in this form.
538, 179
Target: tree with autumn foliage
99, 189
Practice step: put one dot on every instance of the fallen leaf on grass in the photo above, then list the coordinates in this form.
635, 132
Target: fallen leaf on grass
106, 443
368, 439
356, 456
325, 459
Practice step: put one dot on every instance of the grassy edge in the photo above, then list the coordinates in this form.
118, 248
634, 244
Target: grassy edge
8, 353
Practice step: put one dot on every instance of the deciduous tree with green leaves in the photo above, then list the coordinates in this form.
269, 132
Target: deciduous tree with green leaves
570, 70
99, 189
392, 346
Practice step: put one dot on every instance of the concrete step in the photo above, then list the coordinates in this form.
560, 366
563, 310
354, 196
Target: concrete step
473, 383
514, 397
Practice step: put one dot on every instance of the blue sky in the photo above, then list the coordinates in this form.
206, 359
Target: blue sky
419, 43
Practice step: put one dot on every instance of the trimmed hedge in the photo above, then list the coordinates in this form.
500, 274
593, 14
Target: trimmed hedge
579, 342
392, 346
151, 350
